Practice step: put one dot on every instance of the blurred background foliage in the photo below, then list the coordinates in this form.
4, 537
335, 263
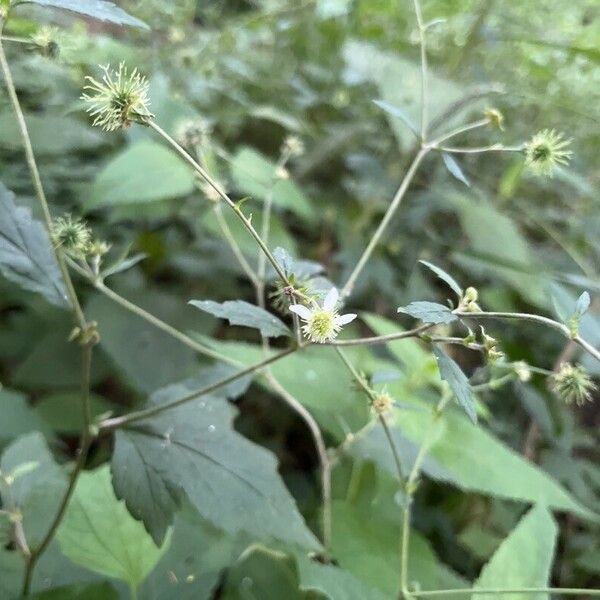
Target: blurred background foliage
256, 71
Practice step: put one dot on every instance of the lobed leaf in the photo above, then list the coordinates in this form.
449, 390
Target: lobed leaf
99, 533
193, 450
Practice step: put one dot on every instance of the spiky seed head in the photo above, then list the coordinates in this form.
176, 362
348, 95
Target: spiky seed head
119, 99
545, 151
72, 235
572, 384
293, 146
382, 403
45, 42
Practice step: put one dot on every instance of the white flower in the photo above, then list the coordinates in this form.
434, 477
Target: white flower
322, 323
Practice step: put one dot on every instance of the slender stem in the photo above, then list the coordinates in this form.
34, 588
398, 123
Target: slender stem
324, 461
118, 422
492, 148
404, 545
37, 181
149, 317
347, 289
494, 384
499, 591
383, 339
411, 485
422, 44
457, 131
84, 447
563, 329
159, 324
247, 223
239, 255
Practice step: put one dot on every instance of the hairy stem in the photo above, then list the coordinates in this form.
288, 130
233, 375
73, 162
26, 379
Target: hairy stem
383, 339
321, 451
84, 447
237, 251
37, 182
411, 486
499, 591
387, 217
247, 223
563, 329
117, 422
423, 46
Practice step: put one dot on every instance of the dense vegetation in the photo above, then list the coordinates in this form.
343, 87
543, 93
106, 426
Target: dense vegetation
170, 428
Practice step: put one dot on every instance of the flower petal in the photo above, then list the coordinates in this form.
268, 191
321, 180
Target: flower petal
301, 311
331, 299
345, 319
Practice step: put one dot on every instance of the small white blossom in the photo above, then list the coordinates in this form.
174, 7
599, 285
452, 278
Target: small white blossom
322, 323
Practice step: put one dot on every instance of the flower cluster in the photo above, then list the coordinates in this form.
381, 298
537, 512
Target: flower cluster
119, 100
322, 323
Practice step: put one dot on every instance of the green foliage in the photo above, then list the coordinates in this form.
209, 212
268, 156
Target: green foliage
193, 449
209, 500
147, 172
451, 373
429, 312
98, 9
26, 256
524, 558
99, 533
238, 312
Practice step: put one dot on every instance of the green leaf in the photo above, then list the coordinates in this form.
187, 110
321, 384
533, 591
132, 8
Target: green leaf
583, 303
239, 312
193, 449
398, 113
147, 357
38, 486
337, 583
254, 175
469, 456
26, 256
193, 565
366, 543
524, 558
82, 591
50, 134
99, 533
498, 245
62, 411
444, 277
18, 417
429, 312
102, 10
264, 573
457, 380
454, 168
145, 172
